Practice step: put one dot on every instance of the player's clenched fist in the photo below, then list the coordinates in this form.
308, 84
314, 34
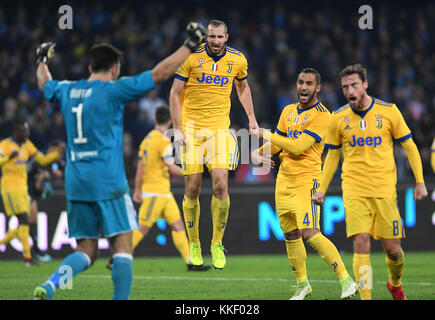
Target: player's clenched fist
197, 34
44, 52
318, 198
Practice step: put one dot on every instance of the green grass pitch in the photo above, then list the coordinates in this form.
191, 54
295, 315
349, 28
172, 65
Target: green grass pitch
251, 277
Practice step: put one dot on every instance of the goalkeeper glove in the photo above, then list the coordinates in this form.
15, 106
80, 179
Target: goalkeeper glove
44, 52
197, 35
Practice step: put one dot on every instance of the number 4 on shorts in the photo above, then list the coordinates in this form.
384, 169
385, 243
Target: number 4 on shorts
306, 220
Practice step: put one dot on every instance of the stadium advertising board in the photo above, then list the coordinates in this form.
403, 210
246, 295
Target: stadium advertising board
253, 226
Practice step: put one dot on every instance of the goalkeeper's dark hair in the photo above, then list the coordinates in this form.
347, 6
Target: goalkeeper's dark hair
315, 72
104, 56
163, 115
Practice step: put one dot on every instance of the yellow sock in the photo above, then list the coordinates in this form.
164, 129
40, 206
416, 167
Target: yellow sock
395, 269
11, 234
297, 256
329, 253
23, 236
191, 212
180, 241
137, 237
362, 270
219, 212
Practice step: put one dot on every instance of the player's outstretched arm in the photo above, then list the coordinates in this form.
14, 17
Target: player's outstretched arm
42, 75
245, 97
413, 155
329, 167
296, 146
44, 53
197, 34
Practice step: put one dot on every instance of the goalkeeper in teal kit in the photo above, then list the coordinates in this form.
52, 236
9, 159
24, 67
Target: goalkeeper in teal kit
96, 187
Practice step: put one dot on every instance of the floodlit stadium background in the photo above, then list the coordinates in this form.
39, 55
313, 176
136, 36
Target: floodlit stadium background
278, 39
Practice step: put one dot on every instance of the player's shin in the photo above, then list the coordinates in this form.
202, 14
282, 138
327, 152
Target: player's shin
362, 270
329, 253
180, 241
191, 212
395, 269
72, 265
297, 256
219, 212
23, 236
122, 275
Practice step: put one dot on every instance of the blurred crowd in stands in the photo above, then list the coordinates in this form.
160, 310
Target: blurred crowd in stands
278, 39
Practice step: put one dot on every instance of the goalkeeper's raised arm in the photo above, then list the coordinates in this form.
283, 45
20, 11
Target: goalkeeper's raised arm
196, 34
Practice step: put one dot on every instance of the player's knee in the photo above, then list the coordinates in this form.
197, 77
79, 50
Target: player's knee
220, 188
193, 190
361, 243
393, 249
308, 233
293, 235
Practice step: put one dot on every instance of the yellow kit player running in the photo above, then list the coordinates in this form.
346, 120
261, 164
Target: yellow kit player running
200, 107
153, 187
15, 152
364, 129
300, 134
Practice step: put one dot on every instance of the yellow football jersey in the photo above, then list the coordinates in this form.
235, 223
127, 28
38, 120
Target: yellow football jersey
152, 152
294, 122
14, 171
205, 99
368, 169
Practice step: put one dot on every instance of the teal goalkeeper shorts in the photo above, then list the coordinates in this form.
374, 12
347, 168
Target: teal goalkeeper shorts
111, 217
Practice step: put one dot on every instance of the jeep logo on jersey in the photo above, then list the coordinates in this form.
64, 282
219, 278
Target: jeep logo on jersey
293, 133
213, 79
368, 141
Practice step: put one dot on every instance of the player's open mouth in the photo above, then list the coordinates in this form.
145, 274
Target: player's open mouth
352, 99
304, 95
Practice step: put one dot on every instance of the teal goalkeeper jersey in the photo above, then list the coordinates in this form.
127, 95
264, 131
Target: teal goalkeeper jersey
93, 113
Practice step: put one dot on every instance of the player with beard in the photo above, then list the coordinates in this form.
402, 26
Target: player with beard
200, 106
300, 133
365, 129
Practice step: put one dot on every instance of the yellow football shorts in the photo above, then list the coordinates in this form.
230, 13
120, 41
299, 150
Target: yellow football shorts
377, 216
158, 207
294, 206
216, 148
16, 203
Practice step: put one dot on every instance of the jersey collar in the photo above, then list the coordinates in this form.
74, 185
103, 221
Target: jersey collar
215, 58
306, 109
16, 142
364, 112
